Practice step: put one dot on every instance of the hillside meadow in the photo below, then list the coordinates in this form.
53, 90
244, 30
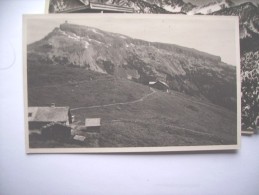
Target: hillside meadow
146, 117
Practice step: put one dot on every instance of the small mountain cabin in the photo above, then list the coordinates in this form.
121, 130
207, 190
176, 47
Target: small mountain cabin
56, 131
159, 85
41, 116
93, 125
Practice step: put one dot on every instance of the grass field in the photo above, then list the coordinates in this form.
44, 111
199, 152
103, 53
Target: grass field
163, 120
132, 114
80, 88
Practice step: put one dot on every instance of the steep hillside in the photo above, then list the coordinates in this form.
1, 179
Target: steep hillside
132, 115
184, 69
163, 119
76, 87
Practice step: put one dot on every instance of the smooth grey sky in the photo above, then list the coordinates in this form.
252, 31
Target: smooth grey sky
211, 34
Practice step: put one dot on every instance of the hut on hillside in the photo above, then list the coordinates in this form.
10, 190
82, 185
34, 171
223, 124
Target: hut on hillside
41, 116
93, 125
159, 85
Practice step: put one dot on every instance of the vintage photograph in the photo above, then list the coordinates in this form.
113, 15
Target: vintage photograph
247, 10
131, 83
86, 6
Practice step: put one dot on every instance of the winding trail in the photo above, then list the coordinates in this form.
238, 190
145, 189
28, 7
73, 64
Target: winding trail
175, 94
115, 104
153, 91
207, 104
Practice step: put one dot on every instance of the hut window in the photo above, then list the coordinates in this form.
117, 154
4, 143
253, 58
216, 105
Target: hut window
29, 114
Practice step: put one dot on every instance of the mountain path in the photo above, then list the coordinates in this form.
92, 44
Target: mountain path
207, 104
153, 91
115, 104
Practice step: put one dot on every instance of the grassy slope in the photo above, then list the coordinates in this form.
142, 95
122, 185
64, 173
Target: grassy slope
73, 87
161, 119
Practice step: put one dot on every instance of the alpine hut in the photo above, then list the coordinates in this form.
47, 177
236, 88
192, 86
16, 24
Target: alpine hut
159, 85
93, 125
41, 116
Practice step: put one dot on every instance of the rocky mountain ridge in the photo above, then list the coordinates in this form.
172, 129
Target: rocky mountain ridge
174, 6
249, 28
200, 74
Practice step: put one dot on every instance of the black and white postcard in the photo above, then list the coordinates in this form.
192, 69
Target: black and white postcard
131, 83
246, 10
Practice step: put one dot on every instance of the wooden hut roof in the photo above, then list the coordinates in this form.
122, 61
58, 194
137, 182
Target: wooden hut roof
158, 81
152, 82
92, 122
164, 83
48, 114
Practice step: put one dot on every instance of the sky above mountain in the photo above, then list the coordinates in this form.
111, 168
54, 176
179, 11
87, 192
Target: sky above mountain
203, 2
214, 35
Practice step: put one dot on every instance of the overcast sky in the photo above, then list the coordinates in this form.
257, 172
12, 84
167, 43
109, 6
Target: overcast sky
211, 34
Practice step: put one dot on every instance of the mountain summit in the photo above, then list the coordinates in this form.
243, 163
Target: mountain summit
183, 69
